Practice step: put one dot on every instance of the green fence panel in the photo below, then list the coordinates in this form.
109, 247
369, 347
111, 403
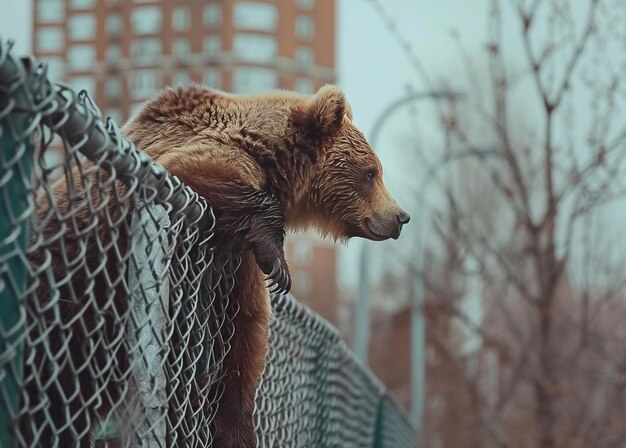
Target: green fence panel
15, 209
378, 430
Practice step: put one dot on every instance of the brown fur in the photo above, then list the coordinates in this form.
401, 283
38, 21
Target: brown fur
265, 163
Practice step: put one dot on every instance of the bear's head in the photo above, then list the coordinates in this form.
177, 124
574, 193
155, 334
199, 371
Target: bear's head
347, 196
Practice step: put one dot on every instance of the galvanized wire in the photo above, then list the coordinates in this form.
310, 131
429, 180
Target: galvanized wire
117, 311
126, 312
314, 392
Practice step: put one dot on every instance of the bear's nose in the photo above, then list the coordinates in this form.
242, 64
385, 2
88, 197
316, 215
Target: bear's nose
403, 218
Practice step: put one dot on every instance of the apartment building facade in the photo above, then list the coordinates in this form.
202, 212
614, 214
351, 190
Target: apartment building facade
124, 51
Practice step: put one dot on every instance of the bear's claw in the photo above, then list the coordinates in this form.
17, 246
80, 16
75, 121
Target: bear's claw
276, 268
280, 278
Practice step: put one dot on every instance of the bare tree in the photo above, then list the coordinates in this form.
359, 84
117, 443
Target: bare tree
538, 224
536, 219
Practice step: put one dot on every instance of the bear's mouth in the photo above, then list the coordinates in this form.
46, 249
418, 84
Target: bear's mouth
377, 232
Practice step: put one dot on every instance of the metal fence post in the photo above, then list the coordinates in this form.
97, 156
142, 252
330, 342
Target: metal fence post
379, 441
16, 206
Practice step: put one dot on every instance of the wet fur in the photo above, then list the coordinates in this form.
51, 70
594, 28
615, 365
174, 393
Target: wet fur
265, 164
302, 152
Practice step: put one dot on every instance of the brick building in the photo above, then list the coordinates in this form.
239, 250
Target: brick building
124, 51
313, 266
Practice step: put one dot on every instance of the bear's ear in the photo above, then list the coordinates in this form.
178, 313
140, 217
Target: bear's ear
322, 114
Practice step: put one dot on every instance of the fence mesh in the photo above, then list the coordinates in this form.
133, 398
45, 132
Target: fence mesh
116, 310
329, 401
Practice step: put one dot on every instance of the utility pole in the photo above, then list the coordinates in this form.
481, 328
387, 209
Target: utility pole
362, 311
418, 324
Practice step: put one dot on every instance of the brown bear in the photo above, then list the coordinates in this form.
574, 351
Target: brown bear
276, 162
266, 164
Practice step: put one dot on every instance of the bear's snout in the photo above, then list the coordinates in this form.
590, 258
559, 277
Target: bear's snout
385, 226
402, 218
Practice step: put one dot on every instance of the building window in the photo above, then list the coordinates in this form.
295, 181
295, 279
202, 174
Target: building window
144, 83
304, 56
305, 4
181, 48
82, 26
181, 78
212, 45
256, 48
114, 25
303, 282
113, 53
304, 86
303, 252
255, 16
304, 27
212, 78
56, 68
146, 20
81, 57
49, 39
212, 15
181, 20
84, 83
82, 4
145, 49
113, 87
252, 80
51, 11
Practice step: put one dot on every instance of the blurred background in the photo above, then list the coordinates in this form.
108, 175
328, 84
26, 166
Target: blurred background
497, 319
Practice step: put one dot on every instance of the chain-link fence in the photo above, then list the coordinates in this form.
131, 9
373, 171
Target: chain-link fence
115, 307
314, 392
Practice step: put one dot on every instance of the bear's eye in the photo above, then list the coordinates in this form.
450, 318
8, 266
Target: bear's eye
371, 175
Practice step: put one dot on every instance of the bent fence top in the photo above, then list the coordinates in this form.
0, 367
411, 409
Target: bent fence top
150, 366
